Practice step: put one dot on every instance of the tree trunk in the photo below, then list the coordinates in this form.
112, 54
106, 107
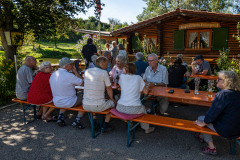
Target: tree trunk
55, 42
8, 50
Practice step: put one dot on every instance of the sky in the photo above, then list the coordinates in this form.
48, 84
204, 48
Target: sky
123, 10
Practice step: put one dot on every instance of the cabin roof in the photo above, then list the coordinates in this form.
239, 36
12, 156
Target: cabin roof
179, 12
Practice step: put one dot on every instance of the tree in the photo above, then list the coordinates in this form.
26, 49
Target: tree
116, 23
158, 7
40, 16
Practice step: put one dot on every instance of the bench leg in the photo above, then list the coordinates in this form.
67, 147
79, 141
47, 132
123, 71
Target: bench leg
94, 135
232, 143
24, 112
131, 129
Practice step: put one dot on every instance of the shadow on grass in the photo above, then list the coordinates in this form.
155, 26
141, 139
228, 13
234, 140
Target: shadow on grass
53, 54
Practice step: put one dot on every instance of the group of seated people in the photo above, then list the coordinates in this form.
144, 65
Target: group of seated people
134, 79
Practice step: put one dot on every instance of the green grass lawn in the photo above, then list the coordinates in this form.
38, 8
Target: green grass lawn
46, 51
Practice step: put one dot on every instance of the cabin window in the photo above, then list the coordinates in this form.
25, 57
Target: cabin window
204, 39
199, 39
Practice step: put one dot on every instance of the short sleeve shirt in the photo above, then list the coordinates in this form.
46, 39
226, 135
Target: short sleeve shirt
115, 72
205, 66
95, 81
24, 80
63, 88
131, 88
159, 76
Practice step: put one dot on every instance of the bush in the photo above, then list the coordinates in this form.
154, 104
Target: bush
7, 80
224, 63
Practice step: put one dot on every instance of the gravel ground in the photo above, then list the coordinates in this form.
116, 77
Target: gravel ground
40, 140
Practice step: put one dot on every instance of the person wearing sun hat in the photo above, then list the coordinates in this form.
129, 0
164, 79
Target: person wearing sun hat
63, 84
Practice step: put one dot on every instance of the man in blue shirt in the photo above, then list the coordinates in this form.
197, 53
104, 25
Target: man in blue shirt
140, 64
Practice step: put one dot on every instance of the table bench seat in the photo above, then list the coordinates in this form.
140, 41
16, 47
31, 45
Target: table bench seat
147, 118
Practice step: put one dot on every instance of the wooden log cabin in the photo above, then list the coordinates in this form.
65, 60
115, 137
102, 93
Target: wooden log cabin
186, 32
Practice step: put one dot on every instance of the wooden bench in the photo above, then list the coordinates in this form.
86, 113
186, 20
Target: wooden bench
172, 123
147, 118
27, 106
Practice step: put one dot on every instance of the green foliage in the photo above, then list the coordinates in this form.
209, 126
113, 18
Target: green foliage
224, 63
166, 61
7, 80
238, 33
147, 45
158, 7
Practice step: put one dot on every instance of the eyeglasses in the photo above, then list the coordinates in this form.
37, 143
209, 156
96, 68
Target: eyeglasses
149, 61
219, 79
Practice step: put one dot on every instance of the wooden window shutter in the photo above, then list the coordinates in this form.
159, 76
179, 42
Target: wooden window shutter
134, 43
178, 40
219, 39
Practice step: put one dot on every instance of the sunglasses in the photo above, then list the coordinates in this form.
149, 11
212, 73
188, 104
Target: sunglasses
219, 79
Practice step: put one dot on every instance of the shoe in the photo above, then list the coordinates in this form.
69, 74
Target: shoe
209, 151
106, 129
197, 135
78, 124
39, 116
149, 130
61, 122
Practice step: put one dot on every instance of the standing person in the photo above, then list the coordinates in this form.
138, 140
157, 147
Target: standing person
200, 67
176, 74
140, 64
88, 50
223, 115
157, 75
40, 90
131, 87
107, 46
114, 51
63, 89
96, 80
25, 77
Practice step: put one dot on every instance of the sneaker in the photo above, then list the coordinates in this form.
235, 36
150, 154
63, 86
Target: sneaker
149, 130
106, 129
209, 151
61, 122
78, 124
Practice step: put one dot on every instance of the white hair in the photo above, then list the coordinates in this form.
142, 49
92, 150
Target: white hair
44, 64
121, 58
139, 55
29, 57
153, 54
94, 58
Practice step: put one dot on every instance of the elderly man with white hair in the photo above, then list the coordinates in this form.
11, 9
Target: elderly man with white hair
25, 77
63, 84
140, 64
157, 75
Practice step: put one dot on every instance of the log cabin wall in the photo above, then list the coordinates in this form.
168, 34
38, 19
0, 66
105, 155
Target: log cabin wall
172, 25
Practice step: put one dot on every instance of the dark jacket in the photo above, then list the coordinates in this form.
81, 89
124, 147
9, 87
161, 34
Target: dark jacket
89, 50
141, 67
175, 75
224, 113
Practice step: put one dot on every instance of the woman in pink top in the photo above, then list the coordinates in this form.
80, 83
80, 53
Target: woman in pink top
118, 69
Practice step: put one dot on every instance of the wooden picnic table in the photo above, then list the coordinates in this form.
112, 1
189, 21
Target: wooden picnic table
204, 77
180, 96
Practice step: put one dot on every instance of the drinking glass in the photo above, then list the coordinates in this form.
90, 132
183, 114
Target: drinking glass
210, 86
197, 82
